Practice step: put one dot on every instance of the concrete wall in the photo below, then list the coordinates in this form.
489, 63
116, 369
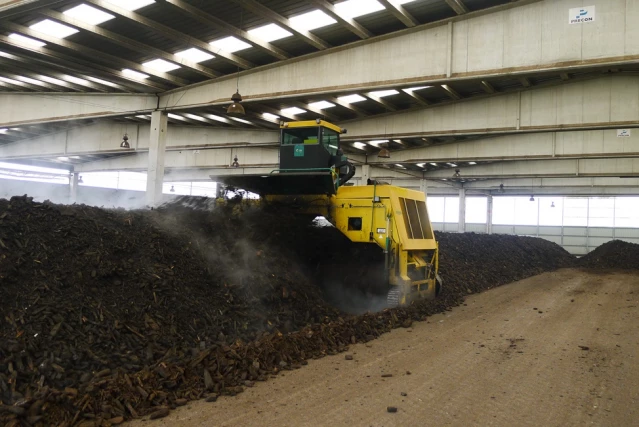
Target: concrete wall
576, 240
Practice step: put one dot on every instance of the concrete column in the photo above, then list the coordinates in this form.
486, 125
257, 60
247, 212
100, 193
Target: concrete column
489, 215
157, 147
423, 186
462, 210
73, 187
366, 174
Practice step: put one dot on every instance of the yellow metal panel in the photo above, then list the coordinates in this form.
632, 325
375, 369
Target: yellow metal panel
311, 123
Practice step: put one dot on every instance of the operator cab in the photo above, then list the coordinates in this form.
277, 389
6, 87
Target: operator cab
310, 162
313, 146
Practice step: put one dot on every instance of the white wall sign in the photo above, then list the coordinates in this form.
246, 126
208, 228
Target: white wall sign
623, 133
581, 15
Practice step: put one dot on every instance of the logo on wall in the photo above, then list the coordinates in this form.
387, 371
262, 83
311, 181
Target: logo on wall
581, 15
623, 133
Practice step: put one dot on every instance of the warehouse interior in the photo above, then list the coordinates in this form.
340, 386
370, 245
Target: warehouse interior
511, 117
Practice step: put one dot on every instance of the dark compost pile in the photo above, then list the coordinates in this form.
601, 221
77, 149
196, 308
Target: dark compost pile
615, 254
108, 315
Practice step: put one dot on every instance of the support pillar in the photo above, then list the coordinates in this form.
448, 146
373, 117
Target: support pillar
157, 147
462, 210
73, 187
489, 215
366, 174
423, 186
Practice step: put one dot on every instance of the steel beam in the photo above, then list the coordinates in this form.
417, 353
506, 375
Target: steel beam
87, 68
26, 109
264, 11
348, 23
94, 53
458, 6
129, 43
104, 137
213, 21
171, 33
593, 144
399, 12
608, 102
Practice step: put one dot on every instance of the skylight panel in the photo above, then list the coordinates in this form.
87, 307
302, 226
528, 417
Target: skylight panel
53, 80
421, 165
194, 55
218, 118
321, 105
312, 20
351, 99
134, 74
8, 80
195, 117
230, 44
472, 163
131, 4
175, 116
355, 8
26, 40
100, 81
30, 80
161, 65
434, 164
270, 116
413, 89
88, 14
376, 142
3, 131
402, 1
400, 166
383, 93
359, 145
241, 120
74, 79
270, 32
292, 110
53, 28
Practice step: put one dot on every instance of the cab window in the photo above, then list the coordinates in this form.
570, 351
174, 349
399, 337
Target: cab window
300, 136
330, 140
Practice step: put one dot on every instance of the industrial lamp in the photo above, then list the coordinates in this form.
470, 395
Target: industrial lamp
384, 153
236, 109
552, 204
532, 198
456, 174
125, 142
235, 163
501, 188
80, 179
172, 190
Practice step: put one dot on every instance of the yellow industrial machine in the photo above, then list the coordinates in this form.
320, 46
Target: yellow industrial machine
312, 176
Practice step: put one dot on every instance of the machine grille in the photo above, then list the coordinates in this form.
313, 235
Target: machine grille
416, 219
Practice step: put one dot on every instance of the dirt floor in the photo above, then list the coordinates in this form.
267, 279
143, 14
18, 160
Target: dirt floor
556, 349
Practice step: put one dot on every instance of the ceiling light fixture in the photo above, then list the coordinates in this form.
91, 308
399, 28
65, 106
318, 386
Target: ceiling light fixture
532, 198
125, 142
235, 163
384, 153
456, 174
236, 109
552, 204
501, 188
172, 190
80, 181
